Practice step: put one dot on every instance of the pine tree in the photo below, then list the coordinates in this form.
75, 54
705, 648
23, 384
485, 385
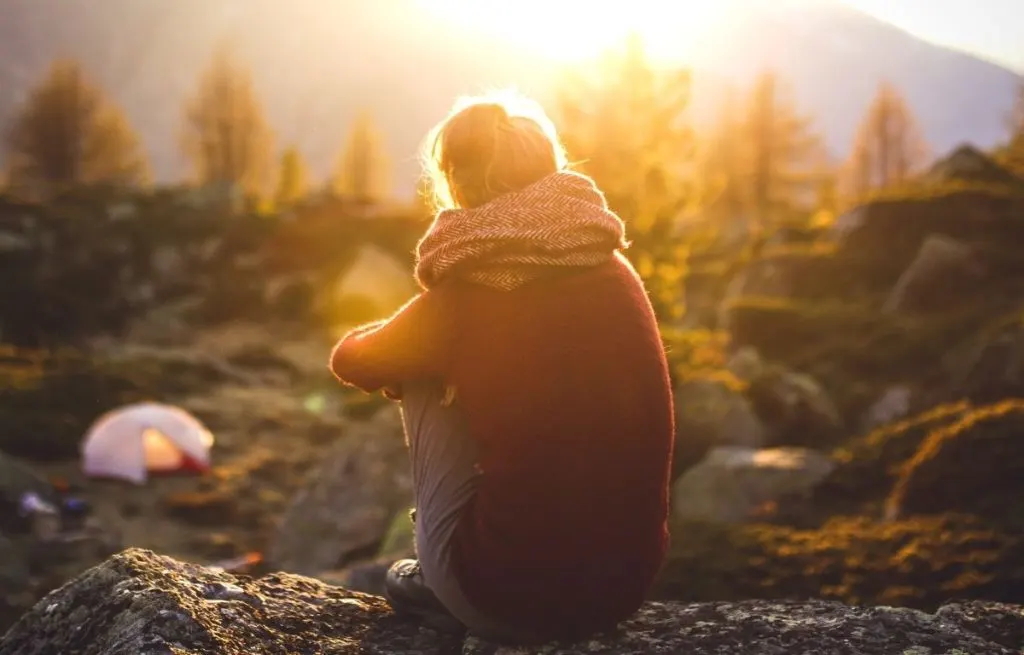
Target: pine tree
226, 136
363, 169
782, 151
889, 147
627, 124
292, 178
67, 133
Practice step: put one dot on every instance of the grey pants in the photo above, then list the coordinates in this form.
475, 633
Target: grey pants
444, 477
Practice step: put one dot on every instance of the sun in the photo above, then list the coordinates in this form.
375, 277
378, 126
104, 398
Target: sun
568, 30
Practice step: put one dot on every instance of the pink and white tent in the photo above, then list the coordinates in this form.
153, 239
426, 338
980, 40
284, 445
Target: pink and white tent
133, 441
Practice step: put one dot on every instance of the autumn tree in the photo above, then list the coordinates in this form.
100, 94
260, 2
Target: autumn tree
226, 136
292, 178
782, 154
362, 172
626, 123
726, 198
889, 147
68, 133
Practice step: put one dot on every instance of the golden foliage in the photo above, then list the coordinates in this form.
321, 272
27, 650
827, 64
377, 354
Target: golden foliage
67, 133
226, 136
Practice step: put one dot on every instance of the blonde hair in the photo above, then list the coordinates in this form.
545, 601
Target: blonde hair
489, 145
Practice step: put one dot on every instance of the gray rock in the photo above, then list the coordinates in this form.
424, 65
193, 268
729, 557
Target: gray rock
347, 507
731, 483
939, 263
712, 408
139, 603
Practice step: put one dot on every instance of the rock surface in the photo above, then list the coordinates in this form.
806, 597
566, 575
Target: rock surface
141, 603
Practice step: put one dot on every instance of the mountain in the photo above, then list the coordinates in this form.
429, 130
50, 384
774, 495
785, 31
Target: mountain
317, 63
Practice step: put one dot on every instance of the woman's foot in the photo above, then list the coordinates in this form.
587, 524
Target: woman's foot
408, 593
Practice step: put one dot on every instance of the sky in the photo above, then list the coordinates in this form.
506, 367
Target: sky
993, 29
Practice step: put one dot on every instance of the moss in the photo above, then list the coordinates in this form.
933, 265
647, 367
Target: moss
867, 467
918, 563
973, 465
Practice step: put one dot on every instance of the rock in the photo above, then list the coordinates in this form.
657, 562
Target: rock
968, 164
796, 410
731, 483
974, 466
991, 366
712, 412
868, 466
882, 238
346, 509
138, 602
891, 407
943, 268
919, 562
746, 364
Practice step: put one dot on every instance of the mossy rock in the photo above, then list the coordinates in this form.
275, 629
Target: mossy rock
918, 563
974, 466
854, 350
893, 226
868, 467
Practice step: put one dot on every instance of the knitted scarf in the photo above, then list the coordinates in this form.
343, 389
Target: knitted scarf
559, 221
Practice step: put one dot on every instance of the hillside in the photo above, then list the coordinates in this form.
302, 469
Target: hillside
318, 66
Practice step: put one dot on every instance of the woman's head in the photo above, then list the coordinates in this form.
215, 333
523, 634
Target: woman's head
488, 146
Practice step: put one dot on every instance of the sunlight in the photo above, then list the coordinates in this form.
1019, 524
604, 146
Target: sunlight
571, 30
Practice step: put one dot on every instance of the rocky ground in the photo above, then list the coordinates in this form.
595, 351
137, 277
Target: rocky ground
850, 412
139, 602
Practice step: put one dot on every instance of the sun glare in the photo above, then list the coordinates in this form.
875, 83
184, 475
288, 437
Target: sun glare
569, 30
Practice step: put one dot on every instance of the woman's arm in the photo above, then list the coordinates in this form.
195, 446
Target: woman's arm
412, 344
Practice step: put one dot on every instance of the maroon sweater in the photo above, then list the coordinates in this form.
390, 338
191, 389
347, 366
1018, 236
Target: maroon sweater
565, 386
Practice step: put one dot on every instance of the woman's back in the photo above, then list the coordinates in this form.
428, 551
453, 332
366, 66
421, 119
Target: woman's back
563, 383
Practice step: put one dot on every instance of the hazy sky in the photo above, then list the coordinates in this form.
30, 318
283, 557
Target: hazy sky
990, 28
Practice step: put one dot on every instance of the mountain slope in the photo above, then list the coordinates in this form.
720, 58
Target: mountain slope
318, 62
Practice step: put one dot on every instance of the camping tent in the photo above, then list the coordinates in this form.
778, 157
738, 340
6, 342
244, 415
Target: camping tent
130, 442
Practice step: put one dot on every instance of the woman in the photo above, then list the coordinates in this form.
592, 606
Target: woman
534, 390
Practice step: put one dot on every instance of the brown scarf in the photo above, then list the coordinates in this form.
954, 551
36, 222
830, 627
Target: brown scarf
559, 221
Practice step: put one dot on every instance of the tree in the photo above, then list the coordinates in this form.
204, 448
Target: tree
726, 200
292, 178
626, 123
363, 168
68, 133
782, 154
889, 147
226, 136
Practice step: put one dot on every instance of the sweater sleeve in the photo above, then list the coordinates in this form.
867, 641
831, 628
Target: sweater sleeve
412, 344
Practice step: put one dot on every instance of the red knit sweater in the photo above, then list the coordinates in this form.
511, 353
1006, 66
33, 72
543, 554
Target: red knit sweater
565, 386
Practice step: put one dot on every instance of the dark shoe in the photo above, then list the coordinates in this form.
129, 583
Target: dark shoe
408, 593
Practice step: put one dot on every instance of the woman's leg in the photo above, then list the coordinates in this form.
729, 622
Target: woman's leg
444, 476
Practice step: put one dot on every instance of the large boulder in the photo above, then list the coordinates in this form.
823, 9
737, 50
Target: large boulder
138, 602
943, 270
795, 408
732, 483
346, 509
711, 411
